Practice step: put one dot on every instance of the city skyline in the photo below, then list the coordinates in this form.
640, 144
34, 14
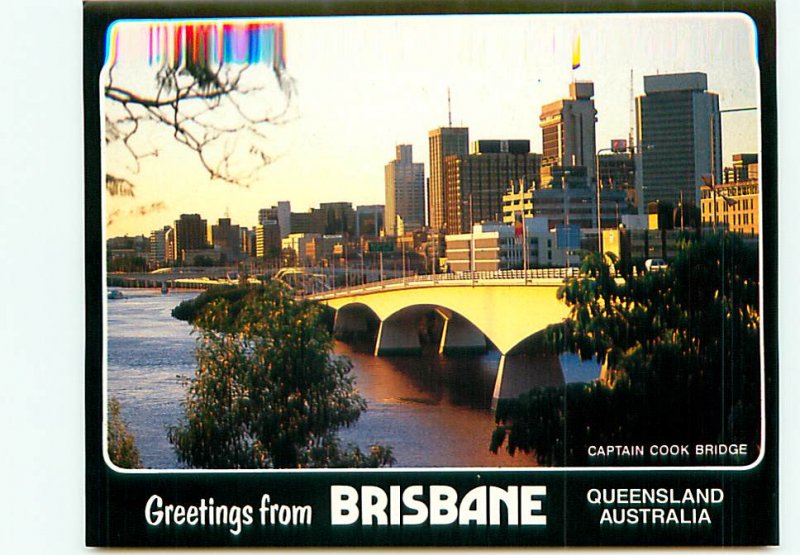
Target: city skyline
355, 103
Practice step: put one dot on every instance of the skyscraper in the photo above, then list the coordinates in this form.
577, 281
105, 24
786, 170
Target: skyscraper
191, 233
369, 220
161, 247
442, 142
405, 191
475, 183
225, 237
281, 213
568, 129
679, 134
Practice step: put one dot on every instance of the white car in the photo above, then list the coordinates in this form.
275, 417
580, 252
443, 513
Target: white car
655, 264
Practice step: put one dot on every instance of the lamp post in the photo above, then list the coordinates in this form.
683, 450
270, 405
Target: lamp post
709, 181
597, 181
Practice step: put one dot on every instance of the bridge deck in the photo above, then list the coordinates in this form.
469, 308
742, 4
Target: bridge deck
541, 276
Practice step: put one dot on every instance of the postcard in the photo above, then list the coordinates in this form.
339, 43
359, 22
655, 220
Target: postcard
364, 274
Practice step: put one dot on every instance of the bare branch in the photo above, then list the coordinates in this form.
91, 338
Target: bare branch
120, 187
207, 111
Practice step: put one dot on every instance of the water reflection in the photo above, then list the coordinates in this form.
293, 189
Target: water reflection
434, 411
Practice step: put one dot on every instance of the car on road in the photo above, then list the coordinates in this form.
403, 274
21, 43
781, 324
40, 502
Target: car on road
655, 264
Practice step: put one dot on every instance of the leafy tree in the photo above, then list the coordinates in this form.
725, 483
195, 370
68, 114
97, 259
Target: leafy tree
190, 310
121, 446
680, 355
268, 393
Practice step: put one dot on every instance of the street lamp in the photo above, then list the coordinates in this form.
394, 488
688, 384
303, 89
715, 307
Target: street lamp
597, 182
632, 150
709, 181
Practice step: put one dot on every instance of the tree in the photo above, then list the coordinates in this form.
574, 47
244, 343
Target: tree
121, 446
680, 354
217, 100
268, 393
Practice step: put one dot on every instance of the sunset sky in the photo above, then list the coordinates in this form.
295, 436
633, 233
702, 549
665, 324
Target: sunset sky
365, 84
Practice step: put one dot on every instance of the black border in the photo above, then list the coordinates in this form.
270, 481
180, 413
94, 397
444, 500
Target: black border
115, 501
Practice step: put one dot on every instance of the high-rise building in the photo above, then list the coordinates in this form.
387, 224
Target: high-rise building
618, 172
680, 137
475, 183
370, 220
268, 239
330, 218
281, 213
160, 250
442, 142
226, 239
568, 126
568, 200
405, 191
190, 235
334, 218
247, 240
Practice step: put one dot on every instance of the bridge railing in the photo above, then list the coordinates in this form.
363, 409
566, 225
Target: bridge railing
524, 276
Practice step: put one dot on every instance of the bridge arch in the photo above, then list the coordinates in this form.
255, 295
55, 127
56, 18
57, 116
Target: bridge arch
355, 320
506, 315
504, 312
402, 329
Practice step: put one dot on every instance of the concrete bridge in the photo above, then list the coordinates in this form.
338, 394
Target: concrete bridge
507, 308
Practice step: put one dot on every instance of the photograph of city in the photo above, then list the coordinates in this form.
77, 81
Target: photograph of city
453, 241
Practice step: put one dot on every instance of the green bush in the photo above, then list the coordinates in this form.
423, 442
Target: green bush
121, 445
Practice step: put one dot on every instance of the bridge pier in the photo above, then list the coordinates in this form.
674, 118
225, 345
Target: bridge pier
519, 373
398, 335
459, 334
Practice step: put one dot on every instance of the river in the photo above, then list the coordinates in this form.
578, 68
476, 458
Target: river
432, 411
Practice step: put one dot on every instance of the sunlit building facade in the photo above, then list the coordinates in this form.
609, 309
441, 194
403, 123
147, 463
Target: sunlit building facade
442, 142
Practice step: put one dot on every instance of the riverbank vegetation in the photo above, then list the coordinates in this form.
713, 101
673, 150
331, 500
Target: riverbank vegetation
680, 355
122, 448
268, 391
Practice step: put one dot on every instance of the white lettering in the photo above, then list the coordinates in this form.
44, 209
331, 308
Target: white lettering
344, 505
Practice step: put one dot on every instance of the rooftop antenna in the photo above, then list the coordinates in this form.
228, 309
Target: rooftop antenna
630, 121
449, 111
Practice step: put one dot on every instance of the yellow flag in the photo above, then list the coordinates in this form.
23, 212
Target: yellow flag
576, 52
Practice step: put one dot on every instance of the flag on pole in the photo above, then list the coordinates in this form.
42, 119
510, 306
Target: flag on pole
576, 52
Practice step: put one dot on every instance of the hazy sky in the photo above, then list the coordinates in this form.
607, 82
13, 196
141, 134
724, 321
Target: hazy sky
365, 84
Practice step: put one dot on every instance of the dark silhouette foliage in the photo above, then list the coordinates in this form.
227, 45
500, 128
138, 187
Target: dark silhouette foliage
680, 354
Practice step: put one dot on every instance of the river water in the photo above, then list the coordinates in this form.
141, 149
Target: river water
432, 411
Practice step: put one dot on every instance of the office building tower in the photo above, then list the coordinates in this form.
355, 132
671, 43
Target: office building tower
226, 239
618, 172
475, 183
442, 142
405, 191
334, 218
568, 200
191, 234
280, 213
268, 240
160, 251
680, 137
370, 220
568, 125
